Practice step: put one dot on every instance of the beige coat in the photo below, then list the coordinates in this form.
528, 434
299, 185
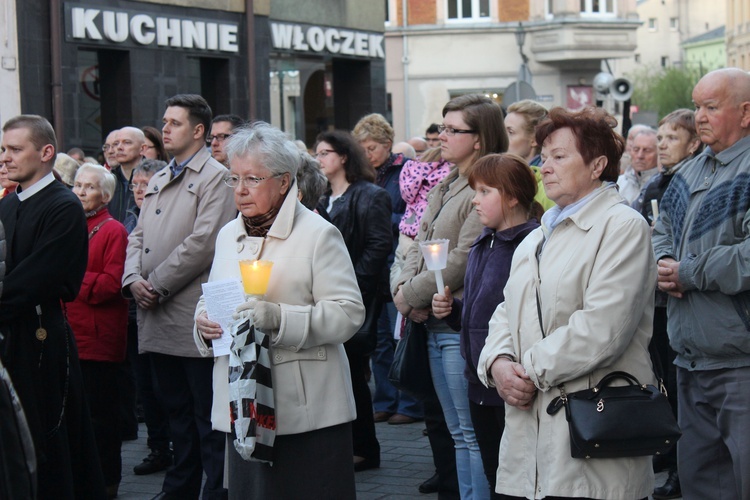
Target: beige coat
450, 215
321, 308
172, 247
597, 298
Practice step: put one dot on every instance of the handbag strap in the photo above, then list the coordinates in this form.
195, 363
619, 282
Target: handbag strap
98, 227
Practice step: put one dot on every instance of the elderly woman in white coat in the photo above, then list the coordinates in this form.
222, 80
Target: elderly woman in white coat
312, 306
592, 266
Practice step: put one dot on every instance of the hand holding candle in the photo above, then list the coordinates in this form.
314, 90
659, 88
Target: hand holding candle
255, 276
435, 254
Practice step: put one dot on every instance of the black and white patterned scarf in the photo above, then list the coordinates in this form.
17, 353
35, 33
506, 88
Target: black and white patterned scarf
251, 404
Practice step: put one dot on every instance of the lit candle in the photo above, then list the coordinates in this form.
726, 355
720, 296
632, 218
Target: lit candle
655, 209
255, 275
435, 255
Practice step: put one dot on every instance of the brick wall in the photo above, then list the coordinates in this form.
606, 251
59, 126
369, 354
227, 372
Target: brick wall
513, 10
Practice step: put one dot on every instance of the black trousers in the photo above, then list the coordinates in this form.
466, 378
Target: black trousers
126, 384
185, 387
363, 428
443, 449
662, 357
100, 383
489, 423
154, 413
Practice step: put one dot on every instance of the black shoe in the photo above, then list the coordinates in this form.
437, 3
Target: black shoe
432, 485
156, 461
362, 463
670, 489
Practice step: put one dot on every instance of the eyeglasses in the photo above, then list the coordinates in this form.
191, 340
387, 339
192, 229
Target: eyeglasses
249, 182
323, 154
218, 137
450, 131
136, 187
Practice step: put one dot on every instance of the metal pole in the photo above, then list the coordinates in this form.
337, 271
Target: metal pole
251, 87
281, 99
56, 63
405, 62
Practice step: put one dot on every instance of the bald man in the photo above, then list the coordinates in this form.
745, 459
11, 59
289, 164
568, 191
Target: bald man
702, 244
419, 145
130, 146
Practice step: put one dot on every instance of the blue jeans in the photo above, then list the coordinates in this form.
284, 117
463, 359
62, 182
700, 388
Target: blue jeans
447, 369
387, 398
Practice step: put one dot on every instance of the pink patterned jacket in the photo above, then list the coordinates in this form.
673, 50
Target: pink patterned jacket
416, 180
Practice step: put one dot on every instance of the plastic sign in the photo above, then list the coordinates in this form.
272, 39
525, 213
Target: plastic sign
140, 29
304, 38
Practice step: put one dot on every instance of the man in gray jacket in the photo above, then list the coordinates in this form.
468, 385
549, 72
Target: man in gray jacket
169, 255
702, 243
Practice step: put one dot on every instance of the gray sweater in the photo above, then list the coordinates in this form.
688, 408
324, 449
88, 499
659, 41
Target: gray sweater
704, 223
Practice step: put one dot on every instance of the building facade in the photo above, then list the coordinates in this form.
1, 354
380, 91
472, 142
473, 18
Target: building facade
738, 34
451, 47
706, 52
91, 66
666, 25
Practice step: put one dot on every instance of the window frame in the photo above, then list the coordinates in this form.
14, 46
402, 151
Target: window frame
587, 9
474, 9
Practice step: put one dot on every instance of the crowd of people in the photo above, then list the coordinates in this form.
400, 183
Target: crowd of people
573, 252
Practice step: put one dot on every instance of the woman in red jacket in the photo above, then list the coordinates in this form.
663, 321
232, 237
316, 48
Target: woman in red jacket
99, 316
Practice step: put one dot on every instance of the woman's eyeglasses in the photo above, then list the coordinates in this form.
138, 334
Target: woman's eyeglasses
323, 153
450, 131
249, 182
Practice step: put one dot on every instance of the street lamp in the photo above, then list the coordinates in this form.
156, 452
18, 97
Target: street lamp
520, 40
524, 75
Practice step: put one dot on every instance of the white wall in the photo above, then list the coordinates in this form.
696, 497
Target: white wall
10, 90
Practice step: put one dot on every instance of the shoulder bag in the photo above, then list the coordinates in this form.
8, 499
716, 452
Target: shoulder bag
410, 371
609, 421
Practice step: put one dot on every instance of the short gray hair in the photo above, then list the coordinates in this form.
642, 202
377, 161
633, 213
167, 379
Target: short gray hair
107, 181
310, 181
268, 144
149, 167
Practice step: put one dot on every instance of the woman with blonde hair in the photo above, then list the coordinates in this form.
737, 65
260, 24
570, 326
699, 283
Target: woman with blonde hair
521, 121
375, 135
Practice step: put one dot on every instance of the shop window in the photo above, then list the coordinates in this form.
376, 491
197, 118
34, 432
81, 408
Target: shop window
468, 10
606, 8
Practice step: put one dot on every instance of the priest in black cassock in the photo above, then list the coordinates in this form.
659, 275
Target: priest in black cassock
47, 244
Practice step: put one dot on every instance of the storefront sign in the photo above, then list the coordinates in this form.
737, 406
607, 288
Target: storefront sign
118, 26
303, 38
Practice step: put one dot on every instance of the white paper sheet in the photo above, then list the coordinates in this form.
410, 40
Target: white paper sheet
398, 331
222, 298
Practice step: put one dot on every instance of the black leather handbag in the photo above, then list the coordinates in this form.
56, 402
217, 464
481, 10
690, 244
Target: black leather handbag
617, 421
410, 371
365, 340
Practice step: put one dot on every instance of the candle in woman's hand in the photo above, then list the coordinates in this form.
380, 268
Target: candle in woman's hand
255, 275
435, 253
